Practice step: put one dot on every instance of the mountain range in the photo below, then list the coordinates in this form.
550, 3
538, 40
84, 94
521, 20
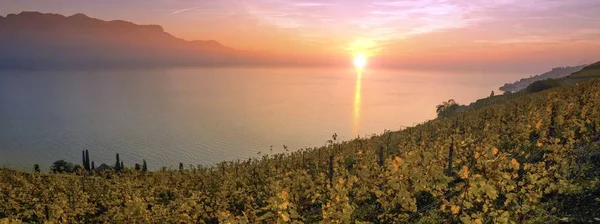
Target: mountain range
34, 40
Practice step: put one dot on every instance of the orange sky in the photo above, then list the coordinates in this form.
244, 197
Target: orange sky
390, 32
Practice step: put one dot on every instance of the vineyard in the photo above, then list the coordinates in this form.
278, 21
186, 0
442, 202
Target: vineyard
531, 159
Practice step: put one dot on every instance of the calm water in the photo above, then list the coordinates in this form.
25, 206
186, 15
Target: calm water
203, 116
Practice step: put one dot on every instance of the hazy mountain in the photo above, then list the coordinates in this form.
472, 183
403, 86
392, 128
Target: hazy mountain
553, 74
41, 40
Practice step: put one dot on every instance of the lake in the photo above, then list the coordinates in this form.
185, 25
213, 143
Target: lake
204, 116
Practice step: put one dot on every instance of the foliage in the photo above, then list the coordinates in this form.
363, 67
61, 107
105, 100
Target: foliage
542, 85
533, 159
447, 108
61, 166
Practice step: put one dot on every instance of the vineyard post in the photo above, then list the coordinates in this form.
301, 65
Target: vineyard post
319, 158
254, 176
236, 170
382, 170
381, 156
331, 170
83, 182
450, 157
552, 130
303, 161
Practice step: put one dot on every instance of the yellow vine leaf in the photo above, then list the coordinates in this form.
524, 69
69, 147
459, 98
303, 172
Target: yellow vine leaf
495, 151
477, 155
395, 166
454, 209
464, 172
285, 217
538, 125
398, 160
515, 163
284, 195
284, 205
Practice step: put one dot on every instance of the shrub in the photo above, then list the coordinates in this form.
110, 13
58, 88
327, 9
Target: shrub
541, 85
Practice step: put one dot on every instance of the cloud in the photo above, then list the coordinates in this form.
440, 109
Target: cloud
382, 22
184, 10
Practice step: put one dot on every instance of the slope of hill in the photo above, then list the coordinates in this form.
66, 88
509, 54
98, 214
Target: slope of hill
587, 72
592, 70
553, 74
532, 159
38, 40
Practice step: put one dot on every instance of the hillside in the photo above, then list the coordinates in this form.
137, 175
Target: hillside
592, 70
532, 159
553, 74
34, 40
585, 73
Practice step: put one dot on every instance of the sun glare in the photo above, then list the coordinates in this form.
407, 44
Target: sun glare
360, 60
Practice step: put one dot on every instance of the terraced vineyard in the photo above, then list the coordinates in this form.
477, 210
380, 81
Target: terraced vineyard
531, 159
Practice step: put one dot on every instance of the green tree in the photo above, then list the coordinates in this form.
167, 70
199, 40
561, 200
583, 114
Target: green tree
61, 166
541, 85
447, 108
83, 158
118, 164
87, 161
144, 167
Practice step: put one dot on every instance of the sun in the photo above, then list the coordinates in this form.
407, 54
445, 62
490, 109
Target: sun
360, 60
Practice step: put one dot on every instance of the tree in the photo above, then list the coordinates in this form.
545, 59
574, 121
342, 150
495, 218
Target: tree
492, 94
144, 167
137, 167
541, 85
118, 164
122, 165
447, 108
62, 166
77, 168
83, 162
93, 166
180, 166
87, 161
36, 168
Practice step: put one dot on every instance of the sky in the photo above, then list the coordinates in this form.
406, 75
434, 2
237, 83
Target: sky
451, 33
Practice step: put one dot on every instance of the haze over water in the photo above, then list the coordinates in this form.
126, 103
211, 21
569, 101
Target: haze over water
204, 116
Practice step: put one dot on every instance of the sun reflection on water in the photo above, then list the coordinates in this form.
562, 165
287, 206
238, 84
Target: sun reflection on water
356, 111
